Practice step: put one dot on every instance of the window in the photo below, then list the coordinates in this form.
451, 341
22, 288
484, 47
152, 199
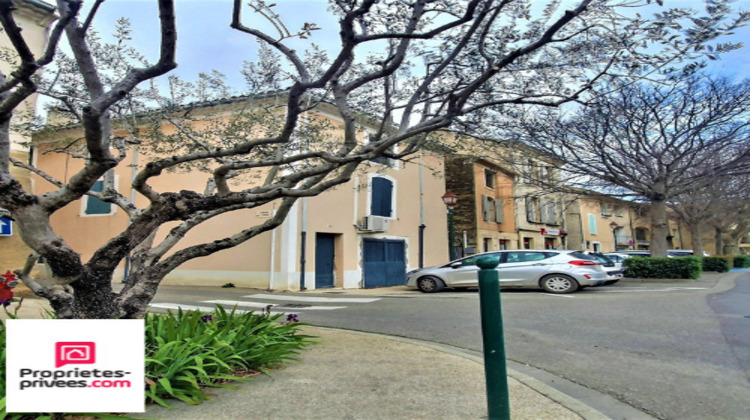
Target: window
503, 244
592, 224
473, 260
532, 209
488, 207
489, 178
606, 211
618, 211
528, 243
93, 206
486, 244
499, 218
512, 257
597, 246
381, 200
548, 213
533, 173
492, 209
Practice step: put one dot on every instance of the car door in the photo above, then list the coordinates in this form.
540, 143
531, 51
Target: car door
465, 272
523, 268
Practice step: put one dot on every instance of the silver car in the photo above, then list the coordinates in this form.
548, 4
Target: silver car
555, 271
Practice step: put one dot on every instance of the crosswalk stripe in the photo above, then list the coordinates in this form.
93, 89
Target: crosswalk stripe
264, 305
313, 299
176, 306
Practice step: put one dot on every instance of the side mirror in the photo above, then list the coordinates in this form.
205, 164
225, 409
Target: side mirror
457, 264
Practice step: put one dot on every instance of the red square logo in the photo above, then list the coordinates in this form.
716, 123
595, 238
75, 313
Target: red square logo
75, 353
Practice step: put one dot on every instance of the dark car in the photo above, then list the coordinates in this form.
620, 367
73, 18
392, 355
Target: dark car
614, 273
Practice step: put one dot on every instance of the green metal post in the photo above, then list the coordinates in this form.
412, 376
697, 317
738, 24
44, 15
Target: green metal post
451, 233
495, 370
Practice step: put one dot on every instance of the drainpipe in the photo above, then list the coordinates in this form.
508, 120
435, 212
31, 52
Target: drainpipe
303, 233
273, 255
422, 226
303, 246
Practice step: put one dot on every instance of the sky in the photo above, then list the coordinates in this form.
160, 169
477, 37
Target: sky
206, 42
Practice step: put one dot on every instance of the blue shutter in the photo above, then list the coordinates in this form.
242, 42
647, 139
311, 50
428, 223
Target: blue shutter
592, 224
382, 197
95, 205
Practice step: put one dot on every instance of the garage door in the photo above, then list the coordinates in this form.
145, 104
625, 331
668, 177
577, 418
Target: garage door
384, 262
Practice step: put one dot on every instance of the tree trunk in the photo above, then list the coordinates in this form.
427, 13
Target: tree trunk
659, 228
93, 298
719, 240
696, 239
139, 291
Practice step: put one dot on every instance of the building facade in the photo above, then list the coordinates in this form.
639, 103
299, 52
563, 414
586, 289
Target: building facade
364, 233
34, 18
485, 212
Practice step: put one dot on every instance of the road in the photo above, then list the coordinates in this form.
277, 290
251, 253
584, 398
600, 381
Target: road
673, 350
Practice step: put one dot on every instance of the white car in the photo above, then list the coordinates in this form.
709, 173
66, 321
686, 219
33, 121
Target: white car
555, 271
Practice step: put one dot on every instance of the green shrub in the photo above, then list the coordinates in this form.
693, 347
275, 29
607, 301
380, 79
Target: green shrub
741, 261
662, 268
719, 263
187, 351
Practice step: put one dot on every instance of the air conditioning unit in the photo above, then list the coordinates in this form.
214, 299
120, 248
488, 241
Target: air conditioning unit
374, 224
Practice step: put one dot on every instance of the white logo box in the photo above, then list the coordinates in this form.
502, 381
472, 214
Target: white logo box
101, 366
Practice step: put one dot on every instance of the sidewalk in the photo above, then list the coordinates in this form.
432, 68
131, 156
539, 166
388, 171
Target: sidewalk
352, 375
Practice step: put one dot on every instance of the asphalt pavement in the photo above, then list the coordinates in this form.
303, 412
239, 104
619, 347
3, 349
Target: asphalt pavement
351, 375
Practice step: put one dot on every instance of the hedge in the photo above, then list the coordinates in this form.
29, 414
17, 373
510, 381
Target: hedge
721, 263
741, 261
663, 268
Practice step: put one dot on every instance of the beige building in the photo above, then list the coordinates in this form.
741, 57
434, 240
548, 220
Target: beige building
598, 223
532, 217
484, 215
364, 233
540, 217
678, 237
34, 18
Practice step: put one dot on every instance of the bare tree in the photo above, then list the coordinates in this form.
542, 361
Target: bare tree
436, 63
653, 141
721, 206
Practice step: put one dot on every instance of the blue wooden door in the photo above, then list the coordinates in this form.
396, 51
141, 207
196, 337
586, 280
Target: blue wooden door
324, 260
384, 262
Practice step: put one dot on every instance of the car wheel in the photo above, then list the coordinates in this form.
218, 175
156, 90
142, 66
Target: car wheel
559, 283
430, 284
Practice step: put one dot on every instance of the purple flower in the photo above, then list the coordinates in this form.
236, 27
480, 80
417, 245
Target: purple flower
207, 318
6, 302
292, 318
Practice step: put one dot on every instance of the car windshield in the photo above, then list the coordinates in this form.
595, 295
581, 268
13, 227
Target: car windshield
602, 258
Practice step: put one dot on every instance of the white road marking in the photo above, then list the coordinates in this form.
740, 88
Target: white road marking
313, 299
669, 289
552, 294
262, 305
176, 306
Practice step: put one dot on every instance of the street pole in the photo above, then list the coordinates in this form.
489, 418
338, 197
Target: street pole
451, 234
614, 238
495, 370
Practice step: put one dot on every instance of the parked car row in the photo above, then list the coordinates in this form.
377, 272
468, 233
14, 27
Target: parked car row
554, 271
